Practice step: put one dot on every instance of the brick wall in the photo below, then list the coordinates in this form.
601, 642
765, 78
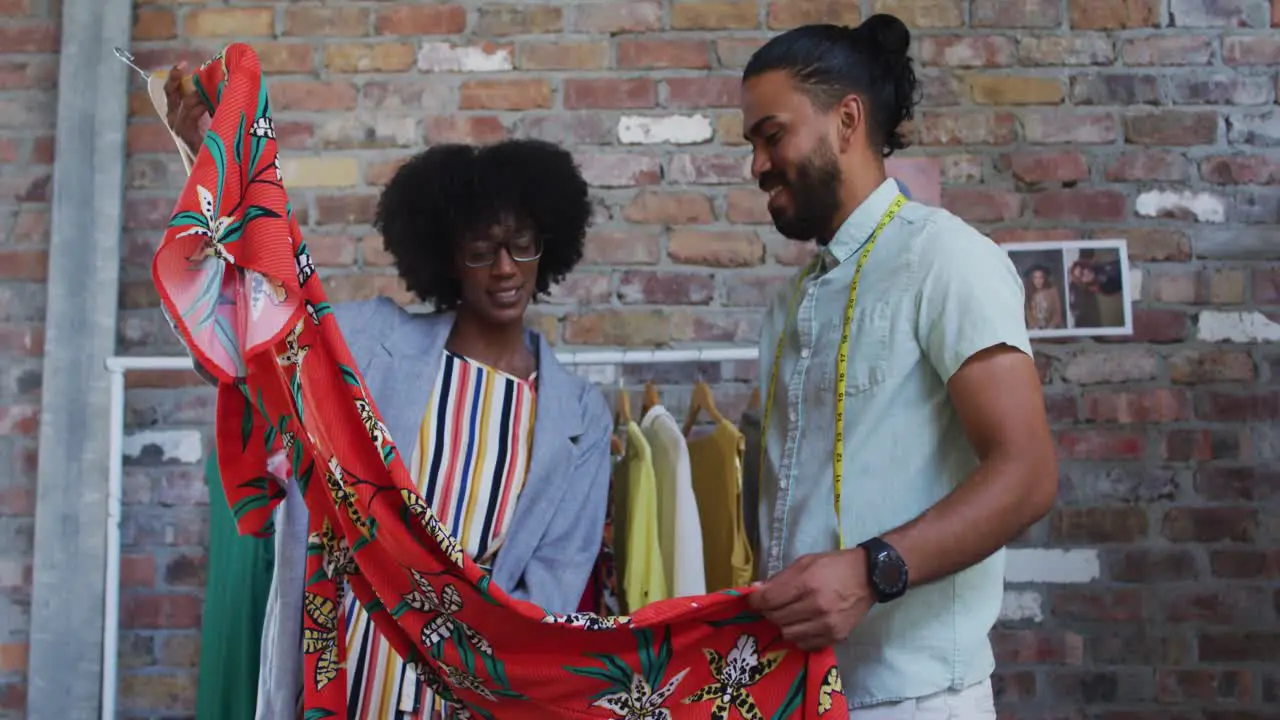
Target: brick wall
28, 72
1152, 592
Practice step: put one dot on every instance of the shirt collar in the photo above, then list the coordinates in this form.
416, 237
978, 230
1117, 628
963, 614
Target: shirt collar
856, 230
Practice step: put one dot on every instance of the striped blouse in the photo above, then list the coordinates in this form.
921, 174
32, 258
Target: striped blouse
470, 463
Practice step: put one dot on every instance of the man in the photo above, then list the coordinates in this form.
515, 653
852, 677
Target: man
892, 479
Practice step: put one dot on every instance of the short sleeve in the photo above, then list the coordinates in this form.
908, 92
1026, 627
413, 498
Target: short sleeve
970, 299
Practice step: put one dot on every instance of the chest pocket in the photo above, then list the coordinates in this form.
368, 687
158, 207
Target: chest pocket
868, 348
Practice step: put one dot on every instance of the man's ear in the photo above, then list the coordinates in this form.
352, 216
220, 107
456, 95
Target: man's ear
852, 117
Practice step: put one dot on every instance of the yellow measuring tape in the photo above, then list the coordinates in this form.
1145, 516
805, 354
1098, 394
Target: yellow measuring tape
842, 357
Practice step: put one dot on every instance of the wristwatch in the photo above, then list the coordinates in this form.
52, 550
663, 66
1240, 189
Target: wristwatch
886, 570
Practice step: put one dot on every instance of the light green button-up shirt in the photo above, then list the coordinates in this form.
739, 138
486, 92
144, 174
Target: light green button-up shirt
933, 292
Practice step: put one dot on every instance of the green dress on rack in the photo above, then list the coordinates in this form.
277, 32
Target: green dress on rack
239, 580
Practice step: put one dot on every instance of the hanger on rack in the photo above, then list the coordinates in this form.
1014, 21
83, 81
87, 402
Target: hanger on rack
651, 398
753, 402
624, 402
701, 399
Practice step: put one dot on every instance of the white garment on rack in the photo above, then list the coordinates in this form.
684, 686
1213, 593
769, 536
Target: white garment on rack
679, 526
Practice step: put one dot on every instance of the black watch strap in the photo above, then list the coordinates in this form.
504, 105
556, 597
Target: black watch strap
886, 570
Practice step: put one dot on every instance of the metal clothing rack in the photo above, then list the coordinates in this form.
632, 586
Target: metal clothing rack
118, 366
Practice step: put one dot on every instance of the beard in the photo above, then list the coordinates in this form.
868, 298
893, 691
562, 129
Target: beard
814, 191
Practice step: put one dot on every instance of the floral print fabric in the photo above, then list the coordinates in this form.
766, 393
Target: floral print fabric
235, 277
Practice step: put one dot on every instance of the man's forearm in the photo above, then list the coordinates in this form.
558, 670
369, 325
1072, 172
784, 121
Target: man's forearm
994, 505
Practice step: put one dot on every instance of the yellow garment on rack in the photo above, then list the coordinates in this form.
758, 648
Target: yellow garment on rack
716, 458
641, 574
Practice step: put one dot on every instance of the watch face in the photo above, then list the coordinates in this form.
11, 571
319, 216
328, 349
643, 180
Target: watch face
889, 573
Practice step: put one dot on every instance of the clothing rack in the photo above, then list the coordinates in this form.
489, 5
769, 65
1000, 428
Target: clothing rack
118, 366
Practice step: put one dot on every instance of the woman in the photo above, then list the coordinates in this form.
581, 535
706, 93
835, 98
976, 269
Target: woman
1043, 305
509, 448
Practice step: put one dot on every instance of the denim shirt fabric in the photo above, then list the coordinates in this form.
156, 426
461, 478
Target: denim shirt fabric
933, 292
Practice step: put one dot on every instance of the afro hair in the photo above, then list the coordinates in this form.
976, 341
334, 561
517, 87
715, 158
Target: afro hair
447, 194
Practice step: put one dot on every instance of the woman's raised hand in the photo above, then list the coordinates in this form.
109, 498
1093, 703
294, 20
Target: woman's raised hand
187, 116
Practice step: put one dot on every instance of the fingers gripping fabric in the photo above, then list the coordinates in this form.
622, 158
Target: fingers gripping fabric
235, 279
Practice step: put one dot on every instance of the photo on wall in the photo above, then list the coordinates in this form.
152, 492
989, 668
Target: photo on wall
1075, 288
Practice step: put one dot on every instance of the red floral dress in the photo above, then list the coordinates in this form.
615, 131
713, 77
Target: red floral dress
235, 278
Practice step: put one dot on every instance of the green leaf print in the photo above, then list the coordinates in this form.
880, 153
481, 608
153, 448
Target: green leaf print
240, 140
739, 619
246, 425
795, 695
349, 375
304, 477
249, 504
317, 714
218, 151
236, 229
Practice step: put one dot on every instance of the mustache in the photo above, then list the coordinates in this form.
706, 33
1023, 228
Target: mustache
770, 179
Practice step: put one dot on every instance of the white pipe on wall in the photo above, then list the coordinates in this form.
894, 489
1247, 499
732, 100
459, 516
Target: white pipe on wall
120, 365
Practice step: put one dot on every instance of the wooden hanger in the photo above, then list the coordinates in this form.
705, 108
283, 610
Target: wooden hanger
650, 397
624, 403
753, 402
615, 445
701, 399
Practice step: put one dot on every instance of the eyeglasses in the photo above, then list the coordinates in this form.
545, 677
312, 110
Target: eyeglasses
522, 248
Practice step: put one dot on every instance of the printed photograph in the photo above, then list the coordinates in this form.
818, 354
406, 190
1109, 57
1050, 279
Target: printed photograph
1075, 288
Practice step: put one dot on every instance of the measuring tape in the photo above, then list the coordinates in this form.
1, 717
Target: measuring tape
842, 358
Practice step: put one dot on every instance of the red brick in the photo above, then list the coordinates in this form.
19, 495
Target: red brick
1167, 50
1015, 90
735, 52
1098, 525
1097, 604
967, 51
1053, 127
1240, 170
563, 56
668, 208
1239, 646
21, 340
747, 206
787, 14
24, 265
1187, 445
967, 127
518, 19
615, 169
1056, 167
703, 169
1237, 484
671, 53
1034, 647
703, 92
1266, 286
1078, 205
609, 93
18, 420
1101, 445
714, 15
1139, 406
229, 22
1156, 165
1151, 243
665, 288
755, 290
1203, 685
726, 249
1113, 14
337, 250
625, 246
160, 612
1251, 50
1210, 524
13, 657
1239, 407
1018, 235
1211, 366
621, 328
614, 17
345, 209
422, 20
153, 24
29, 36
326, 21
525, 94
285, 58
1022, 14
1158, 325
577, 128
312, 96
474, 129
982, 206
1245, 564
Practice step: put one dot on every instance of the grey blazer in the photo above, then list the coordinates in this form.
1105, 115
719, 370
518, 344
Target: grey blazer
558, 523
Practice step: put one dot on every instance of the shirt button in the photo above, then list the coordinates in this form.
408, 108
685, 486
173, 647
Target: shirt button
792, 415
804, 352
